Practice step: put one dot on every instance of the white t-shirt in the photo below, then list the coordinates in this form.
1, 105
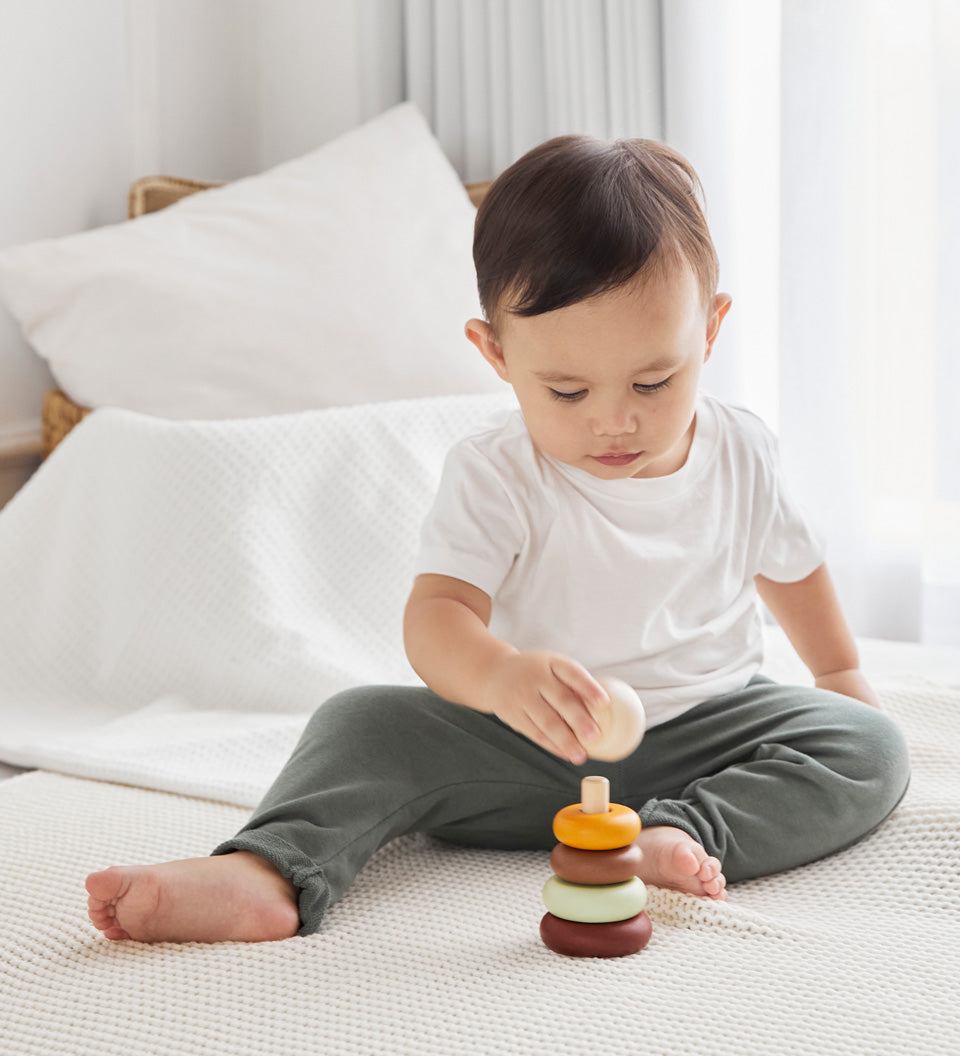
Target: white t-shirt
649, 580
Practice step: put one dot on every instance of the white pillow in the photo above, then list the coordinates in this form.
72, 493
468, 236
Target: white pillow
342, 277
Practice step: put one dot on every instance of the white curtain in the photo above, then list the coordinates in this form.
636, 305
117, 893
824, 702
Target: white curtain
869, 364
496, 77
827, 135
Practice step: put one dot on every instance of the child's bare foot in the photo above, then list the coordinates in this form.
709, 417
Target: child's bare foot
236, 897
672, 858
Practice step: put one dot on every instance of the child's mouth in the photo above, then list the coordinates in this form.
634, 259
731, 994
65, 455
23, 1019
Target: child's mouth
616, 460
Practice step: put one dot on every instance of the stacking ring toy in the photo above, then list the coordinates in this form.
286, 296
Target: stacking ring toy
617, 939
595, 899
595, 905
596, 832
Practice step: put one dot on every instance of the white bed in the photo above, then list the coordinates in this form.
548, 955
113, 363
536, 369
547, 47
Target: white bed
153, 741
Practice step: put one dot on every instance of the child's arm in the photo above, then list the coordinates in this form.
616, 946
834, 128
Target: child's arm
547, 697
809, 612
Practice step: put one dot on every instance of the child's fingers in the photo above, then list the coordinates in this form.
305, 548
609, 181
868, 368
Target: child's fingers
564, 744
567, 721
587, 690
551, 700
561, 719
579, 679
556, 736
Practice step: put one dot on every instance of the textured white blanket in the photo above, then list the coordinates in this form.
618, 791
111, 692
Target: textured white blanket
435, 950
177, 597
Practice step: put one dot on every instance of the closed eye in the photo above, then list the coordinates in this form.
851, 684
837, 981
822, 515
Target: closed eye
570, 397
653, 388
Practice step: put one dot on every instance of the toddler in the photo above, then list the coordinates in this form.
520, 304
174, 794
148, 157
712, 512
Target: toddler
621, 523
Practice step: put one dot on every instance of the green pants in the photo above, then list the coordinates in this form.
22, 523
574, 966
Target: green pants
765, 778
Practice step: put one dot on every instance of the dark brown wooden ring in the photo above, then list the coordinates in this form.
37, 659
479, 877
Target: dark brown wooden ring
574, 939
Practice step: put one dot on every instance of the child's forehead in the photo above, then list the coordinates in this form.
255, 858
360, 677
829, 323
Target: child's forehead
661, 302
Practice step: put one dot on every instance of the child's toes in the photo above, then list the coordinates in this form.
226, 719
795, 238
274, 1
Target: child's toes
103, 915
712, 878
710, 869
715, 887
98, 912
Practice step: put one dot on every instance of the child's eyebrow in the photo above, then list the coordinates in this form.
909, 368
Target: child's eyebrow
664, 363
558, 378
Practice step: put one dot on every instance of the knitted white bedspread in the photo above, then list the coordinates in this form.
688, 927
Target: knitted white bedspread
435, 951
176, 598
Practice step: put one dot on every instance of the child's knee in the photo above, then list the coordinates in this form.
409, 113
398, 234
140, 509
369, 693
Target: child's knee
877, 760
352, 711
348, 705
374, 719
891, 757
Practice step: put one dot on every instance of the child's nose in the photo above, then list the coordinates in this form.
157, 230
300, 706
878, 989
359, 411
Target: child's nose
616, 419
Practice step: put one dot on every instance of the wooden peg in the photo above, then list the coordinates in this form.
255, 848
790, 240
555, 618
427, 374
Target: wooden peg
595, 795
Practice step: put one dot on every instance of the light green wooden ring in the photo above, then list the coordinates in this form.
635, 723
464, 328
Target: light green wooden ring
601, 904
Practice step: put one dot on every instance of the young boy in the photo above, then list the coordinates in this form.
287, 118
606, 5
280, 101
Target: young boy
621, 524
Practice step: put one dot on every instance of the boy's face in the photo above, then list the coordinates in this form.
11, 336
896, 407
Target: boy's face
609, 385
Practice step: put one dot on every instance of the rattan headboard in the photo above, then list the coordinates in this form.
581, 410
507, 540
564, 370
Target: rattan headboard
152, 193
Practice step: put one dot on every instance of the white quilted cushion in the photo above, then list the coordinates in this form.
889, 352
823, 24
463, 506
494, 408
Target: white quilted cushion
344, 276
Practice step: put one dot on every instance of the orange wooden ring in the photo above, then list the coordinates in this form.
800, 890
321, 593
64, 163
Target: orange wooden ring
596, 832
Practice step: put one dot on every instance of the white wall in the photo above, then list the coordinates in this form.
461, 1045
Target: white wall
62, 90
95, 93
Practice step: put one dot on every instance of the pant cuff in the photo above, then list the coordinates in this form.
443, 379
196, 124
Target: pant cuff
313, 899
652, 813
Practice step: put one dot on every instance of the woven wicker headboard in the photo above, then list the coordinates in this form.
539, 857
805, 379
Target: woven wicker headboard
147, 195
152, 193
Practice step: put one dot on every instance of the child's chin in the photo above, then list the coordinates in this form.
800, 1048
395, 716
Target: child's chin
608, 471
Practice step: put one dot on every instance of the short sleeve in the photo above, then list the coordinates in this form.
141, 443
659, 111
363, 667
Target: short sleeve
791, 548
473, 531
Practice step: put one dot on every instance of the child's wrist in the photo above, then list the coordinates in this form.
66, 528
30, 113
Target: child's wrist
850, 682
490, 675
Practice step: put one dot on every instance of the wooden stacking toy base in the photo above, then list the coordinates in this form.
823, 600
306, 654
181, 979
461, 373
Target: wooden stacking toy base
576, 939
595, 901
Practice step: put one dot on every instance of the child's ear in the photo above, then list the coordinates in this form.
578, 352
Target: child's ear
721, 305
482, 335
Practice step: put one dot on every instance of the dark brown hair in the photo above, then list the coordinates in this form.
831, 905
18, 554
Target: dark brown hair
579, 216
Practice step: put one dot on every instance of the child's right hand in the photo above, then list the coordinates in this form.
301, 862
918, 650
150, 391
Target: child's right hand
549, 698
